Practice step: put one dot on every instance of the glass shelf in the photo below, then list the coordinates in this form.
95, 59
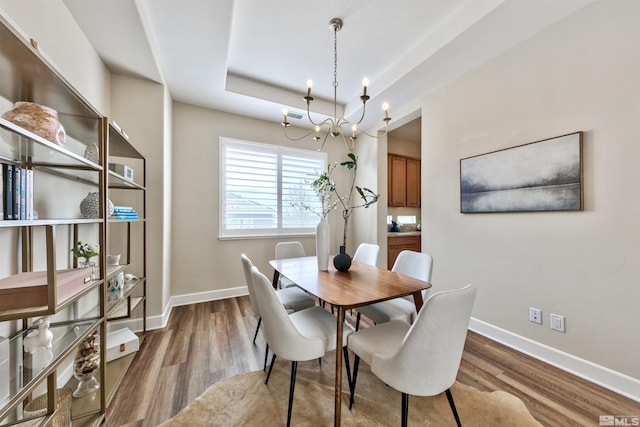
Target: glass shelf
18, 145
31, 369
120, 182
116, 300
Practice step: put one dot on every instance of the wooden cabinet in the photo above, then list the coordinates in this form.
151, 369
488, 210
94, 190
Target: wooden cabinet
403, 181
399, 243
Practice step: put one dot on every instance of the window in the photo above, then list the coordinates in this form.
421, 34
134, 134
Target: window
263, 188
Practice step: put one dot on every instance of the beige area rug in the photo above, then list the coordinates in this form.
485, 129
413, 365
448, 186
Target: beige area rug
244, 400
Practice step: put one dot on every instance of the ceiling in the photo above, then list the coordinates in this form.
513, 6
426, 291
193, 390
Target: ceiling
254, 57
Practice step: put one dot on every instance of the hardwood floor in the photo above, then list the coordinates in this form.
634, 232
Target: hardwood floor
204, 343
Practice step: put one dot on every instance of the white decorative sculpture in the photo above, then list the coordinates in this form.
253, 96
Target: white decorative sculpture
41, 337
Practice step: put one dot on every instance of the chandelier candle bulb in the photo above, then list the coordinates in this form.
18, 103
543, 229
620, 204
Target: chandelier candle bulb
365, 83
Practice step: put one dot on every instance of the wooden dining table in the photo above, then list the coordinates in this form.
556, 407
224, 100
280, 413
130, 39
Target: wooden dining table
361, 285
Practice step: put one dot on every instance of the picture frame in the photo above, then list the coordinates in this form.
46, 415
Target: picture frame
544, 175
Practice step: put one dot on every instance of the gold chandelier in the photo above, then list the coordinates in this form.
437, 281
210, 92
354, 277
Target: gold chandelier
334, 124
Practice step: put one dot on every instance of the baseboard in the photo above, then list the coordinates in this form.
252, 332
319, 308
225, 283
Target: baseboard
159, 322
597, 374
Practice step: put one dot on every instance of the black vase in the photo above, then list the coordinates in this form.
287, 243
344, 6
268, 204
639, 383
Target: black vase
342, 260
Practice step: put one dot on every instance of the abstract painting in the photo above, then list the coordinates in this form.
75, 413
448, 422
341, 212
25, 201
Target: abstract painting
539, 176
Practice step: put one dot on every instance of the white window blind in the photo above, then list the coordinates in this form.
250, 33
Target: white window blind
263, 187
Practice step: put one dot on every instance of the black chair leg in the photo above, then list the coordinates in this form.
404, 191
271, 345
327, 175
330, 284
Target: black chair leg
273, 360
257, 327
352, 385
346, 365
266, 355
357, 321
453, 406
405, 409
292, 384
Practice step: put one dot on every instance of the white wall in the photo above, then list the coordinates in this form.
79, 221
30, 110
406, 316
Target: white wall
582, 73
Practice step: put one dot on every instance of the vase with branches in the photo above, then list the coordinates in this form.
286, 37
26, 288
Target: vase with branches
347, 201
86, 251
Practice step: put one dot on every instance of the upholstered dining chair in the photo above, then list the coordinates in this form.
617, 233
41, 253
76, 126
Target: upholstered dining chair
288, 250
292, 299
300, 336
421, 359
367, 253
415, 264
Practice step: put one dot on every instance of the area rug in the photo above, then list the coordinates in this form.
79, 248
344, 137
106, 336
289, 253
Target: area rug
244, 400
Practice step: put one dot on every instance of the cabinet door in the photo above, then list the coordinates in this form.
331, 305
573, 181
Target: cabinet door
398, 194
413, 183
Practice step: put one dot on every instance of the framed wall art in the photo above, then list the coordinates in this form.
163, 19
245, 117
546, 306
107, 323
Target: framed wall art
539, 176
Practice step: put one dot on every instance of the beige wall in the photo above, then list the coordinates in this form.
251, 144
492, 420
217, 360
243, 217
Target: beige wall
60, 39
141, 108
202, 262
580, 74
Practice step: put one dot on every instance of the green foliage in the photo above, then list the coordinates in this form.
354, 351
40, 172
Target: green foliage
85, 250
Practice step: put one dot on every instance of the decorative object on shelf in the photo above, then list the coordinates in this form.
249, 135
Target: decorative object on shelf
86, 362
394, 226
125, 212
334, 123
36, 118
342, 260
41, 337
38, 408
92, 153
90, 206
120, 343
113, 259
121, 169
87, 251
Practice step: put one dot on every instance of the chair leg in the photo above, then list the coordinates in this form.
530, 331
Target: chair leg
357, 321
266, 355
346, 365
352, 388
292, 384
453, 406
273, 360
405, 409
257, 327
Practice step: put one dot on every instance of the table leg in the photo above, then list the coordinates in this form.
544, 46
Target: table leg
338, 385
417, 299
276, 277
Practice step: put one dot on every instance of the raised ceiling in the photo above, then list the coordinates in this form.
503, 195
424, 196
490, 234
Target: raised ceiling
253, 57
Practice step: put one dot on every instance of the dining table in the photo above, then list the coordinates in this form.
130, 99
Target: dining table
361, 285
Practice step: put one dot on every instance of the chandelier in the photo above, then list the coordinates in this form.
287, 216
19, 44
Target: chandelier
334, 125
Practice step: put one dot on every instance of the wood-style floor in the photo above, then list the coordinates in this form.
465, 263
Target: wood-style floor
204, 343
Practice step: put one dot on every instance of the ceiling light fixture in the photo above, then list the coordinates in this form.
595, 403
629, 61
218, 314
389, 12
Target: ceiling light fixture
334, 123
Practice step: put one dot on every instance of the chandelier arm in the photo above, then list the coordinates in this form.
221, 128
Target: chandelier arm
290, 138
323, 141
351, 146
386, 130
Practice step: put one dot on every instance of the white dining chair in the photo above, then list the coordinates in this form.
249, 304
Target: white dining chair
304, 335
421, 359
367, 253
292, 299
286, 250
415, 264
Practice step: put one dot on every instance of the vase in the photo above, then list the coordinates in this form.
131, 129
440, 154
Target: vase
87, 360
342, 260
323, 237
39, 119
90, 206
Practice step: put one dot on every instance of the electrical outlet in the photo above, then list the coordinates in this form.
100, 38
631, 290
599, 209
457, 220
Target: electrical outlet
556, 322
535, 315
